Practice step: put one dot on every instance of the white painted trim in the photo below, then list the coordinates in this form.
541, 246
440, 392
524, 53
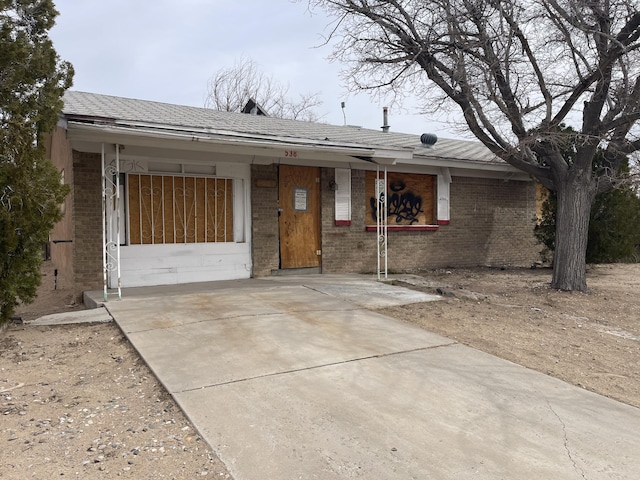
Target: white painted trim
444, 194
343, 194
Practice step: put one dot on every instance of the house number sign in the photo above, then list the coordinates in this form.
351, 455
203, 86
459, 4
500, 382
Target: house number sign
300, 199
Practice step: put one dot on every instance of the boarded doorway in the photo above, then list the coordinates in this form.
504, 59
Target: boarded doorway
299, 222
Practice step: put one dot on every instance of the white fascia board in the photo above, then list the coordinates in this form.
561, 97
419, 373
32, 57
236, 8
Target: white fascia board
456, 163
287, 148
384, 153
384, 156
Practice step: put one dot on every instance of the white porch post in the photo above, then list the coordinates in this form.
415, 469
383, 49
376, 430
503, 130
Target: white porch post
117, 209
104, 227
381, 222
110, 202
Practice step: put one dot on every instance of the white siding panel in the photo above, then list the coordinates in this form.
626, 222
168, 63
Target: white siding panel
146, 265
233, 272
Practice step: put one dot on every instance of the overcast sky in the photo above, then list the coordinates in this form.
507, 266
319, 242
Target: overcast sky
167, 50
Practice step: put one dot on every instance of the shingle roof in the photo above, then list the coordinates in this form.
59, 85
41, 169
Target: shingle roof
162, 115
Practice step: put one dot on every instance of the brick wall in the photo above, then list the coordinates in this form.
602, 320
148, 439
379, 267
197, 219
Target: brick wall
491, 224
264, 219
346, 248
87, 214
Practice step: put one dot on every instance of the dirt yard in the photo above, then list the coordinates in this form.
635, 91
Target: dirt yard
77, 401
590, 340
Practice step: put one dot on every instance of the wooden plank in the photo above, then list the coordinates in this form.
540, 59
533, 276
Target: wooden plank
167, 209
133, 186
220, 210
157, 209
145, 214
169, 222
411, 198
210, 205
299, 223
178, 209
190, 204
200, 210
213, 218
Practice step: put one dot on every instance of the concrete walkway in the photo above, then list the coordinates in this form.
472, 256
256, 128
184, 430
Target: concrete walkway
293, 378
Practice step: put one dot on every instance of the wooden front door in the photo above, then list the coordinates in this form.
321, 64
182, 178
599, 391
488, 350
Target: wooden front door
299, 202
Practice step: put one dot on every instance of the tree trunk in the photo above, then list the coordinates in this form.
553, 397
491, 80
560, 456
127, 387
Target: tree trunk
575, 197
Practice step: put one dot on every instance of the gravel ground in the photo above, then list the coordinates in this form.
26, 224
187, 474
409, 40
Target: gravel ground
77, 402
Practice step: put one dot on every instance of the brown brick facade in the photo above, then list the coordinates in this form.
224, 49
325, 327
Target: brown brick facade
491, 224
264, 219
346, 248
87, 213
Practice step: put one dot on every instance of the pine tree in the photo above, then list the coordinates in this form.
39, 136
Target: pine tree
32, 82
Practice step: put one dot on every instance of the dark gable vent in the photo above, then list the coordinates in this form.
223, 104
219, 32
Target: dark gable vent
428, 139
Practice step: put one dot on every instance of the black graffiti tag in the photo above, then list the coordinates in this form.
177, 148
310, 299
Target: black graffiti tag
405, 206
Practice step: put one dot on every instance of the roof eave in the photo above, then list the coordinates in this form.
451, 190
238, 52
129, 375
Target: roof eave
224, 142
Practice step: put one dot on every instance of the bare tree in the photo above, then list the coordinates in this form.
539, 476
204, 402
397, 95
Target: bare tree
231, 88
517, 70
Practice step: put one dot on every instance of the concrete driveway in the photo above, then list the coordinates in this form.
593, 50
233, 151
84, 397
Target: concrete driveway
294, 378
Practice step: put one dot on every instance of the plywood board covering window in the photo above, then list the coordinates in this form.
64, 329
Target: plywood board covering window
410, 198
179, 209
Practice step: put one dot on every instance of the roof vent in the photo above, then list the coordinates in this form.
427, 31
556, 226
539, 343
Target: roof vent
428, 139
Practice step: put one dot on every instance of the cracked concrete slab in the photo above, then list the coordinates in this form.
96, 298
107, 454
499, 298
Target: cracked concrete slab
440, 413
286, 329
293, 381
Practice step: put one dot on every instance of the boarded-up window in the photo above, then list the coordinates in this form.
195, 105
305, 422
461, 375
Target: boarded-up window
410, 198
179, 209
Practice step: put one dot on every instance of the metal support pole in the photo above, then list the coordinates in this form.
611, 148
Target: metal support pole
378, 230
117, 208
110, 202
386, 223
381, 220
104, 227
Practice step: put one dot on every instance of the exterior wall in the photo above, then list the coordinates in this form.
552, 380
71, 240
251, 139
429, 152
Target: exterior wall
61, 237
346, 248
76, 241
264, 219
87, 215
491, 224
